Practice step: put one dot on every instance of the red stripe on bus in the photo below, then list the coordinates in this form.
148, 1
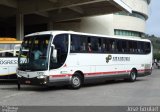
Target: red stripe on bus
142, 70
106, 73
100, 73
61, 75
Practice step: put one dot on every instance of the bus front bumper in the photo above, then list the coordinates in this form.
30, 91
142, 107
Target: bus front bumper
32, 81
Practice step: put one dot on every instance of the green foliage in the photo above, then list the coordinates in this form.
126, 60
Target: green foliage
156, 56
156, 45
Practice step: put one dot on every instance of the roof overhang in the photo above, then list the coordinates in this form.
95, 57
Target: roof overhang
122, 5
59, 10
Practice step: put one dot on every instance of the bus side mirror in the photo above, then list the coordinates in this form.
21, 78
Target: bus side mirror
14, 53
16, 48
54, 53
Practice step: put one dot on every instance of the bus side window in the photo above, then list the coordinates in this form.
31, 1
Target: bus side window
131, 49
113, 46
119, 46
8, 54
75, 43
124, 46
107, 45
2, 54
142, 47
96, 44
139, 47
147, 47
89, 44
89, 47
83, 44
104, 46
100, 45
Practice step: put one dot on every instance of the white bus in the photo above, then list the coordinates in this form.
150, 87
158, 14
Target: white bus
9, 48
67, 57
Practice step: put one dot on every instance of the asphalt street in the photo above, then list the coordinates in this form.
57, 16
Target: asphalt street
145, 91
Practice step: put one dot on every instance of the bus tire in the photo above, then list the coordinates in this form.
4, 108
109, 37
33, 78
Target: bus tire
76, 81
132, 76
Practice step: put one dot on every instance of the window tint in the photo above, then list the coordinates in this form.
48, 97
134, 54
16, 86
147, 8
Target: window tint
61, 44
7, 50
105, 46
75, 43
147, 48
124, 46
119, 46
6, 54
93, 44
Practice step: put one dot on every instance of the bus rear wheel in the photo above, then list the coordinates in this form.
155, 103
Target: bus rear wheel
132, 76
76, 81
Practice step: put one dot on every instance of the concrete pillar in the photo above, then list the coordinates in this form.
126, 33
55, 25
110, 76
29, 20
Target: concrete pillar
50, 25
19, 26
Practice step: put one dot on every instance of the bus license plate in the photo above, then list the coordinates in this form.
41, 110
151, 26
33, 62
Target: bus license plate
28, 82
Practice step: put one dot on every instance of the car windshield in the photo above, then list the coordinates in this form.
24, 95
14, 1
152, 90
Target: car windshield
33, 53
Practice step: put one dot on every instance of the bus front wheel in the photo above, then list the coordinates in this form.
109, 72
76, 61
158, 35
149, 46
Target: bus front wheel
133, 76
76, 81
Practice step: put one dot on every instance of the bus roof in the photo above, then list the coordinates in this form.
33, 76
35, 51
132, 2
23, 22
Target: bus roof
8, 40
55, 32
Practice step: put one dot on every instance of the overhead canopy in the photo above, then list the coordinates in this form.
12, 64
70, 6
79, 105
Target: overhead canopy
59, 10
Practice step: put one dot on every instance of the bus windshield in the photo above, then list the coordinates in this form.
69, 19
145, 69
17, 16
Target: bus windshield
34, 53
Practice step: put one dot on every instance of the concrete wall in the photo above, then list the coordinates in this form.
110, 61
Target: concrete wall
98, 25
129, 23
106, 24
138, 6
71, 26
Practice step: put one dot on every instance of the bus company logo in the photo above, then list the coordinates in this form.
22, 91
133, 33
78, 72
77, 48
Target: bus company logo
121, 58
108, 58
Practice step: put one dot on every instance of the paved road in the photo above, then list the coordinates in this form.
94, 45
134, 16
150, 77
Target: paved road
145, 91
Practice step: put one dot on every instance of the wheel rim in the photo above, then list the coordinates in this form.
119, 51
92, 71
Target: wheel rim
76, 81
133, 75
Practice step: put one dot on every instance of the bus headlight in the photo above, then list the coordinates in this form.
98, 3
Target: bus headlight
41, 75
19, 75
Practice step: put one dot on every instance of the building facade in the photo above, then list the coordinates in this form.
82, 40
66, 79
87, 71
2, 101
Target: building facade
119, 24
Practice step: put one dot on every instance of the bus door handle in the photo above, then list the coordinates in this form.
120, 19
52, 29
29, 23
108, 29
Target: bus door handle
5, 68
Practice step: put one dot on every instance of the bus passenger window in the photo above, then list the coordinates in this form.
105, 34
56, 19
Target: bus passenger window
99, 47
103, 48
75, 43
89, 47
124, 46
113, 47
95, 44
147, 48
72, 47
119, 46
83, 46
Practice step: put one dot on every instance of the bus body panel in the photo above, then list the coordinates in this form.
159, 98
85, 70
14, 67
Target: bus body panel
91, 65
9, 48
102, 69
